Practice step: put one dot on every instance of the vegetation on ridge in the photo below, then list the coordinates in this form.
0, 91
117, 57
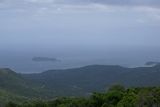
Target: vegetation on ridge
116, 96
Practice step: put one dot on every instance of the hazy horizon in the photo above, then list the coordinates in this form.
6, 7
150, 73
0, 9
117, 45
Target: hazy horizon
78, 32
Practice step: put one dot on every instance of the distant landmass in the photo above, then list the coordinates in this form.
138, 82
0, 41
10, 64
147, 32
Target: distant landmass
151, 63
44, 59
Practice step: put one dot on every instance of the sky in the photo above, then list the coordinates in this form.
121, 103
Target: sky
79, 28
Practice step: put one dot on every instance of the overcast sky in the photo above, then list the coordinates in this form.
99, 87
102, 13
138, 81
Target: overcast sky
76, 24
78, 32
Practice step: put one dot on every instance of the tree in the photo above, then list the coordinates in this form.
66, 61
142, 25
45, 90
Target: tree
11, 104
129, 100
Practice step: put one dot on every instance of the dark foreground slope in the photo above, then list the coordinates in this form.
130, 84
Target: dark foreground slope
14, 87
16, 83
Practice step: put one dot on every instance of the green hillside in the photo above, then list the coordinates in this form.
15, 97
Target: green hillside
116, 96
84, 80
12, 82
6, 96
73, 82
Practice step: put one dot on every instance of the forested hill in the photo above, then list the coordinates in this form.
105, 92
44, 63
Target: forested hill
82, 81
75, 82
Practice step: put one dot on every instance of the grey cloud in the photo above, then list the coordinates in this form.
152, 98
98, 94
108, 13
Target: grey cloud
130, 2
155, 3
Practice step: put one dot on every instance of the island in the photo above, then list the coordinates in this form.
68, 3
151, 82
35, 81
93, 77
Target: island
44, 59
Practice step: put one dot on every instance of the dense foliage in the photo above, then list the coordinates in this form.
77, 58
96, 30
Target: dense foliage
116, 96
